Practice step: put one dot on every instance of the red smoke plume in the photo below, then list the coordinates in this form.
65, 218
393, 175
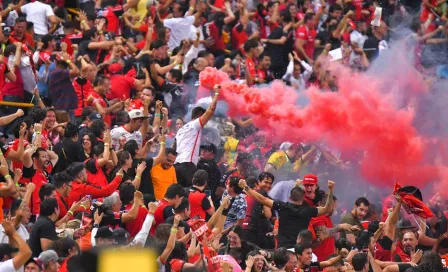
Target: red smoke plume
357, 118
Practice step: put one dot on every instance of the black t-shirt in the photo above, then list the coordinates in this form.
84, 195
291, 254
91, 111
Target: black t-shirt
68, 152
402, 267
313, 267
84, 50
279, 52
43, 228
292, 219
255, 219
324, 37
372, 43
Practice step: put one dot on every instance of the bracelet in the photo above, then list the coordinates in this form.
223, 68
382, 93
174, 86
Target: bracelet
246, 188
100, 32
174, 230
157, 114
106, 144
175, 63
82, 205
10, 9
1, 154
191, 8
120, 175
7, 176
68, 61
38, 99
70, 212
17, 184
216, 93
96, 225
37, 132
83, 21
162, 143
138, 177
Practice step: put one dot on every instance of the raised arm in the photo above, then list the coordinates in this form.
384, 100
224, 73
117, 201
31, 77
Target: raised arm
329, 203
259, 197
211, 109
133, 212
9, 118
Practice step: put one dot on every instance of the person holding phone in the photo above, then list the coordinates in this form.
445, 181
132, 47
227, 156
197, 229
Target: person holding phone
200, 202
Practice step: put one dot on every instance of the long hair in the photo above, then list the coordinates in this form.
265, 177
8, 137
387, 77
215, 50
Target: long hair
431, 261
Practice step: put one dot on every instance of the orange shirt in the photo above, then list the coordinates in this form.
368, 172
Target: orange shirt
162, 179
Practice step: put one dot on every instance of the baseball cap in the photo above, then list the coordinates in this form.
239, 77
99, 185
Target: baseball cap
36, 261
115, 68
309, 179
7, 250
47, 256
134, 114
95, 116
121, 236
209, 147
104, 232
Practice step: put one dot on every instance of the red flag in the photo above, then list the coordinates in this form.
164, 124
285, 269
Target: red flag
412, 204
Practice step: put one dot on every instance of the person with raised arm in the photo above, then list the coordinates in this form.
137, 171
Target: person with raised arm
188, 140
295, 215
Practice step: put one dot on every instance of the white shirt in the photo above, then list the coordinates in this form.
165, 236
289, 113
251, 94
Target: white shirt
193, 31
23, 233
119, 132
38, 13
358, 39
8, 266
188, 140
180, 29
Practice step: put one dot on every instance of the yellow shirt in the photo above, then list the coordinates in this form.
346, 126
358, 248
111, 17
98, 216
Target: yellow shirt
281, 162
140, 10
230, 147
162, 179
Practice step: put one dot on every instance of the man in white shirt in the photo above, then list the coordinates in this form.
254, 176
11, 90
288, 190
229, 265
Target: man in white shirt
133, 130
22, 253
357, 39
188, 141
39, 14
21, 230
180, 26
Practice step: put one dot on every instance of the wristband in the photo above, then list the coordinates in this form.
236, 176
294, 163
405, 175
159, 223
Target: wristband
162, 143
106, 144
68, 61
7, 176
96, 225
150, 213
246, 188
100, 32
138, 177
120, 175
83, 206
157, 114
37, 132
38, 99
83, 21
10, 9
175, 63
216, 93
1, 154
191, 8
70, 212
17, 185
174, 230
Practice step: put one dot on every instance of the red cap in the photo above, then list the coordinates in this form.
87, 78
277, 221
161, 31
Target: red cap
115, 68
309, 179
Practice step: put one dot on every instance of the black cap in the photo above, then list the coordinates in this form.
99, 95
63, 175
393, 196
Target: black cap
104, 232
209, 147
7, 250
121, 236
404, 224
95, 116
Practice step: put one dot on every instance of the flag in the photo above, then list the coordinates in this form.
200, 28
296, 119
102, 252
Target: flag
412, 201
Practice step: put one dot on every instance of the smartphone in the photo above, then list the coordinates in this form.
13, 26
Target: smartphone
208, 193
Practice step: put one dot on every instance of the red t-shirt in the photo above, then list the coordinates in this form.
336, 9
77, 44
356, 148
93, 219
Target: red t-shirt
327, 246
426, 11
214, 34
120, 87
97, 98
14, 88
252, 67
135, 226
3, 71
82, 94
39, 179
238, 38
158, 215
303, 33
95, 174
136, 104
112, 19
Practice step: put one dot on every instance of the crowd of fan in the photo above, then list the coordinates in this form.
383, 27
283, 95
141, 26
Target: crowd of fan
117, 152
